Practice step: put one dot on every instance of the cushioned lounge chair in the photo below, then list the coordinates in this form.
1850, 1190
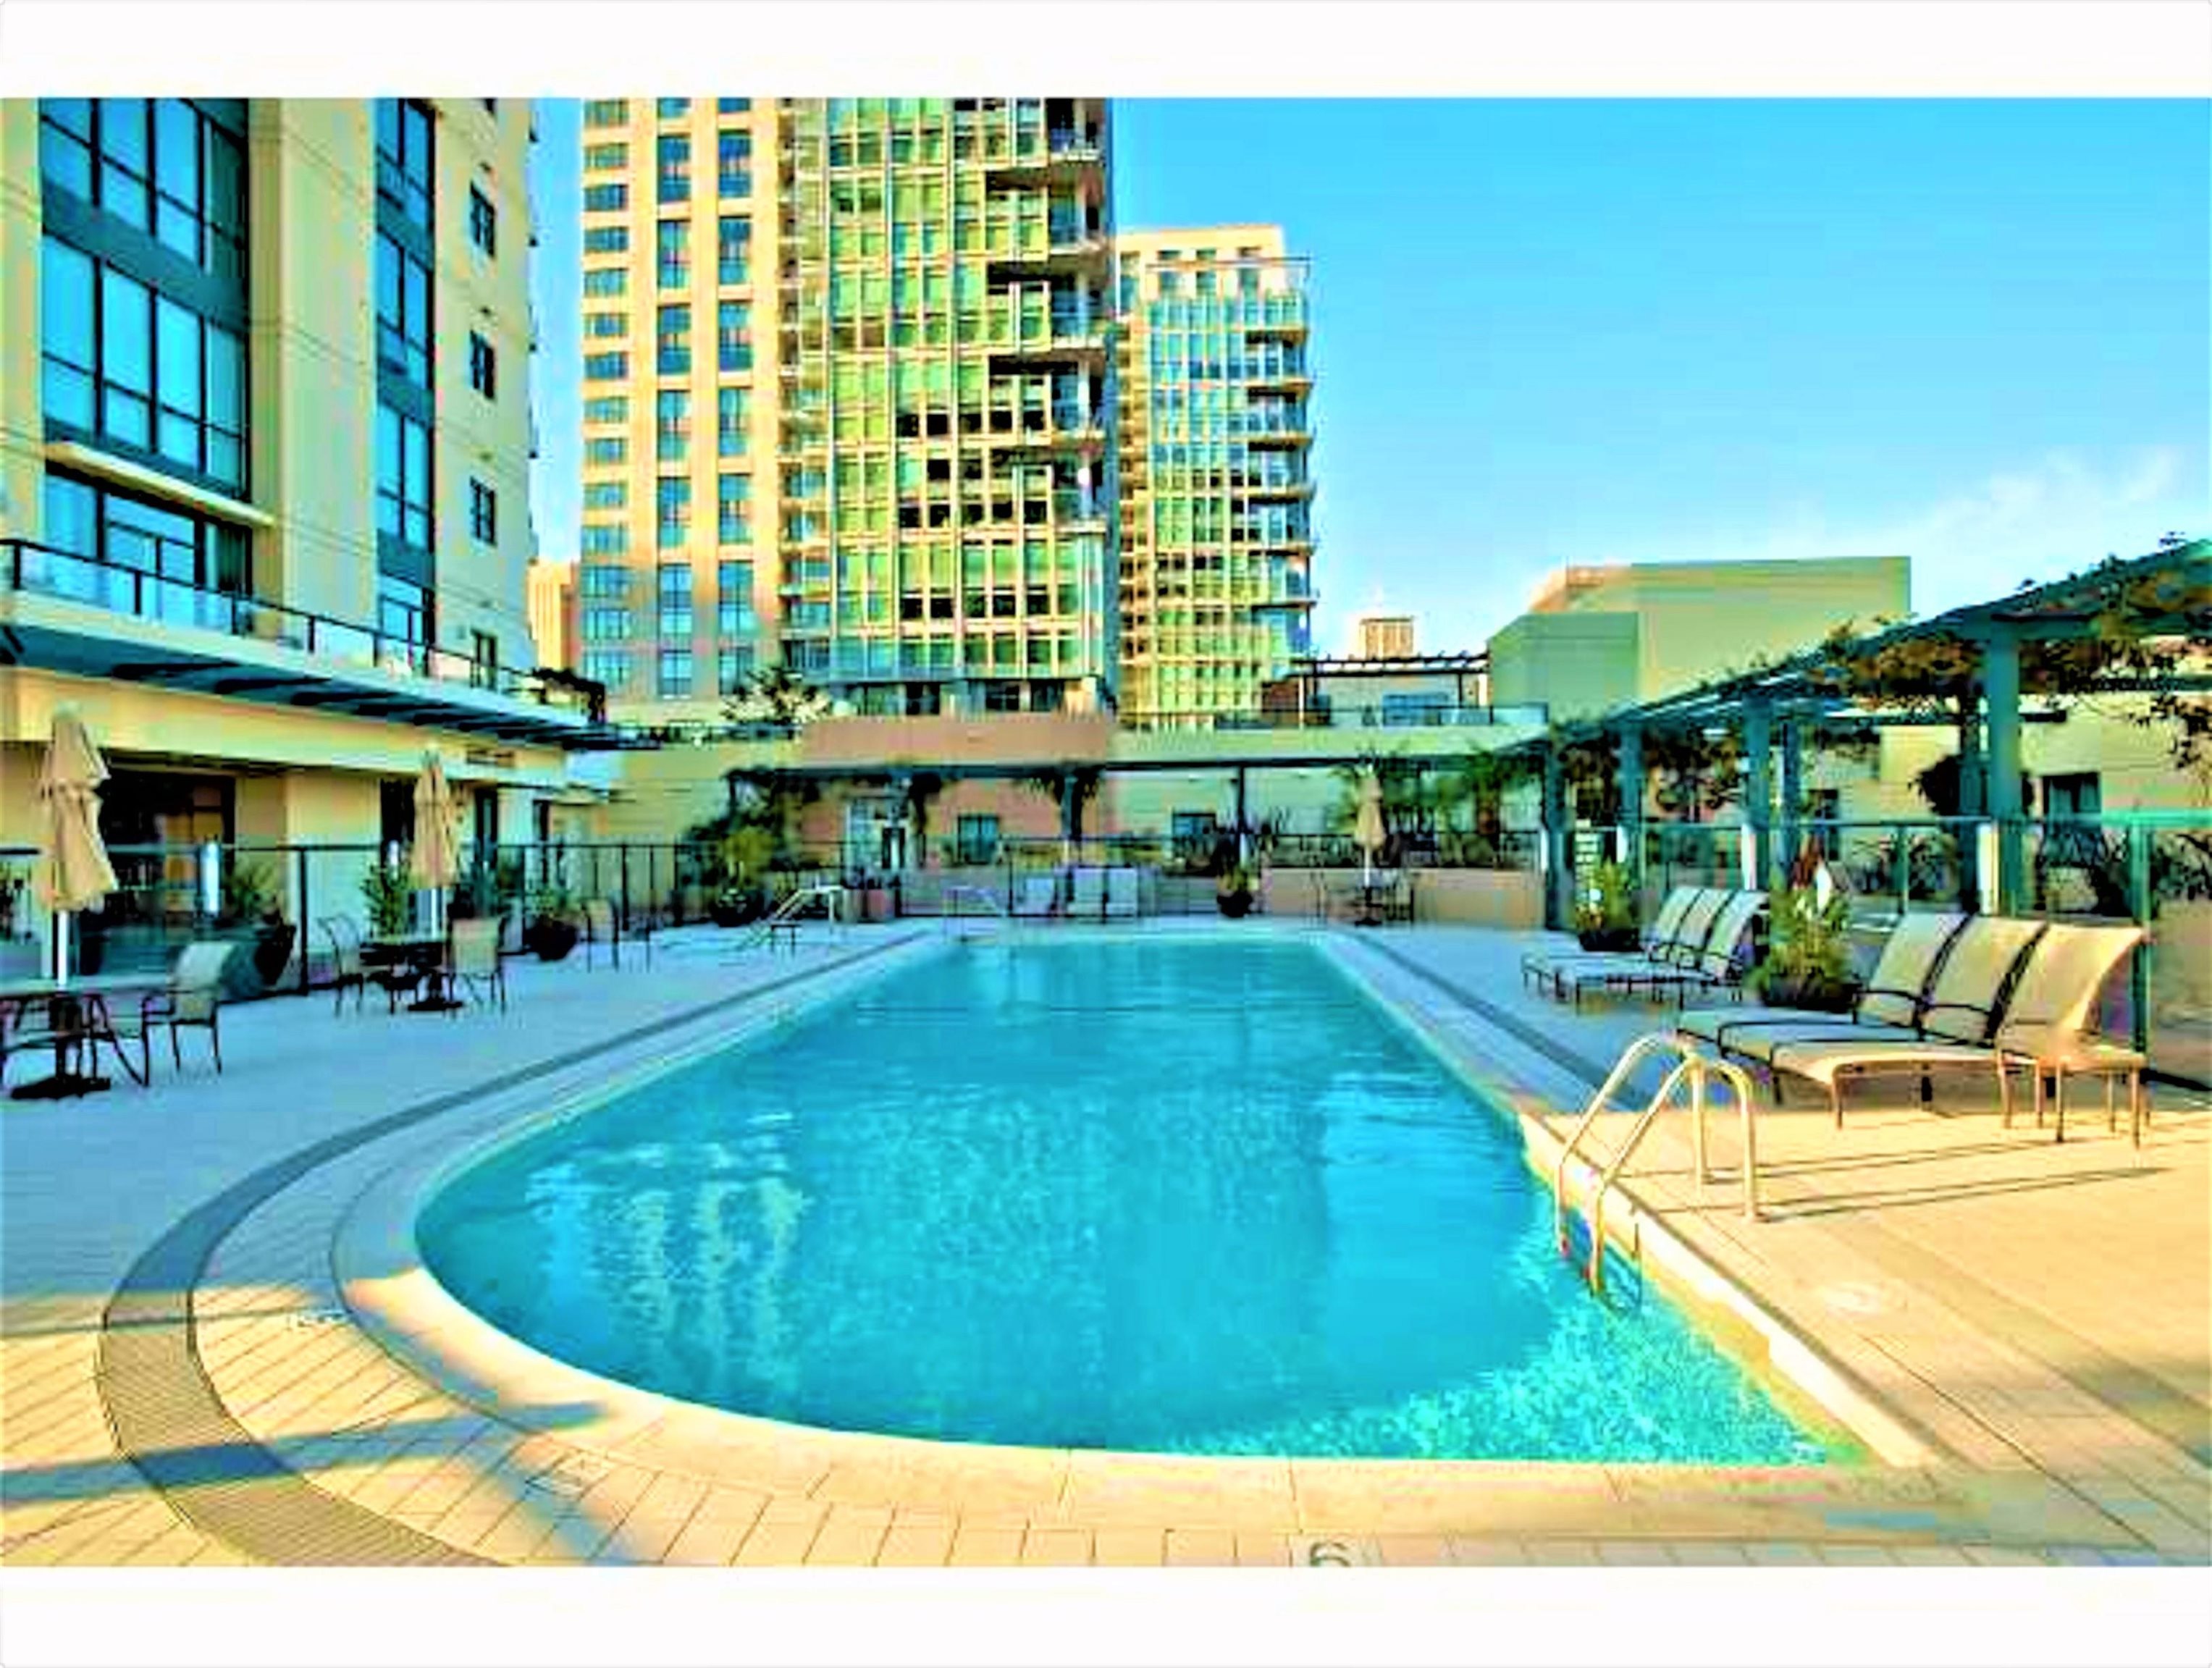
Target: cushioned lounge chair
2044, 1020
1086, 897
1722, 963
1894, 993
1961, 1004
1039, 897
476, 960
1540, 963
1571, 976
1121, 893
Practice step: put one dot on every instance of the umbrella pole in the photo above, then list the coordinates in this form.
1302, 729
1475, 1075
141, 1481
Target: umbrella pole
60, 946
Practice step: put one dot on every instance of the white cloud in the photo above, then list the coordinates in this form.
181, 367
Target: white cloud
2037, 521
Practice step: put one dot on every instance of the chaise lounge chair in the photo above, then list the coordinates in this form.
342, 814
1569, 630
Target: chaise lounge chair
1086, 897
1700, 925
2044, 1022
1894, 994
1722, 963
1121, 893
1665, 926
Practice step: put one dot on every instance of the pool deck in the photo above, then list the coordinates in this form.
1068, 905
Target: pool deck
215, 1346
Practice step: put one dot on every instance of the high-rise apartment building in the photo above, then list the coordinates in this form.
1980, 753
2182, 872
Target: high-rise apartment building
1216, 538
902, 425
264, 442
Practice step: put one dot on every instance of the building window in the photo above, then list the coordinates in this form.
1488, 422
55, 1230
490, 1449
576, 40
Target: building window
606, 239
598, 581
606, 495
607, 407
733, 668
605, 540
120, 361
606, 368
671, 425
733, 164
403, 312
733, 250
483, 661
483, 513
138, 536
672, 156
669, 109
403, 619
606, 625
164, 166
609, 667
606, 196
976, 840
483, 366
602, 325
672, 340
403, 479
403, 158
732, 422
675, 674
733, 107
734, 336
606, 449
733, 495
671, 253
606, 112
733, 599
673, 591
672, 511
604, 281
605, 159
1002, 697
484, 222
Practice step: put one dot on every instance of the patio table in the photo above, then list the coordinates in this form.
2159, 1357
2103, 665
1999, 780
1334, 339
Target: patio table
423, 953
76, 1016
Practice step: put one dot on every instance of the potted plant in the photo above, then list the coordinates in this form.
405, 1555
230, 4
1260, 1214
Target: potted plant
389, 896
1806, 963
251, 904
1233, 892
745, 854
552, 931
1605, 912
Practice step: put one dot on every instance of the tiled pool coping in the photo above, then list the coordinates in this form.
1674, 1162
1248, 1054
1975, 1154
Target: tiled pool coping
628, 1433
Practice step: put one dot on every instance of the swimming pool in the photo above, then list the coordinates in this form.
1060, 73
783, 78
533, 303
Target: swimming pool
1193, 1196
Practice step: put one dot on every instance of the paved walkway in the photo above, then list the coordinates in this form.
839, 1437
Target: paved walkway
196, 1272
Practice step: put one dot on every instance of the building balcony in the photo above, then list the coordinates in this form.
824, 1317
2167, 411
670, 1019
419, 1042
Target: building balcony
1288, 434
1277, 489
89, 617
1072, 343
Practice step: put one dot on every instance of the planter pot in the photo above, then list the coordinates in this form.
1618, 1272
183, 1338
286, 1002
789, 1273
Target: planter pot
550, 940
272, 951
1610, 938
876, 903
734, 909
1235, 905
1823, 995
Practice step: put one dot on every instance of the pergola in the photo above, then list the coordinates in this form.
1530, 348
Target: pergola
2165, 595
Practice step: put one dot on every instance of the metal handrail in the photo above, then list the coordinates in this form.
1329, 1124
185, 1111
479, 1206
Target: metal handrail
790, 907
990, 902
1691, 1067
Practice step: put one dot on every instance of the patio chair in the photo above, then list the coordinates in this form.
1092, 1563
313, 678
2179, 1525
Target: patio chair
1894, 993
1039, 897
1571, 975
1121, 901
346, 970
1665, 927
194, 997
1965, 1008
1725, 958
599, 929
475, 960
1086, 898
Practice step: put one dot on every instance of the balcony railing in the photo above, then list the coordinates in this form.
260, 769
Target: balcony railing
35, 569
1337, 716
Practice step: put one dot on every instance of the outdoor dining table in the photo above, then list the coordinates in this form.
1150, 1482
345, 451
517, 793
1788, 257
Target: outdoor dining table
423, 954
76, 1015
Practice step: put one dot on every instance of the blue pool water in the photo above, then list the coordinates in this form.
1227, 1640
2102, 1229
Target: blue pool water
1197, 1197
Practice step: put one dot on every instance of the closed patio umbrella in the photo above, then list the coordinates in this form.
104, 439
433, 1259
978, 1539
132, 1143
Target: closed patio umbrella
1367, 829
434, 862
72, 872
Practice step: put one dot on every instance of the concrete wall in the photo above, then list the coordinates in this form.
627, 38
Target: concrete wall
1574, 664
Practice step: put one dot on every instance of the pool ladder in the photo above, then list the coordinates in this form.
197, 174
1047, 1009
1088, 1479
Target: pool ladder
992, 908
1691, 1069
832, 898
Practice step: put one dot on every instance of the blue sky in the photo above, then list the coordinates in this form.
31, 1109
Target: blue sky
1975, 332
